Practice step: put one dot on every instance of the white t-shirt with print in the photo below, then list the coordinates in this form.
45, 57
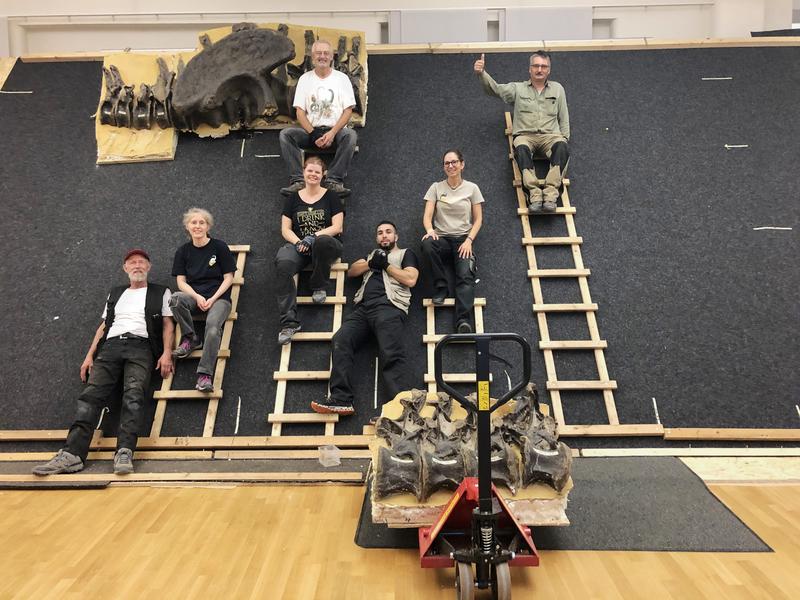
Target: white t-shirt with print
324, 100
129, 313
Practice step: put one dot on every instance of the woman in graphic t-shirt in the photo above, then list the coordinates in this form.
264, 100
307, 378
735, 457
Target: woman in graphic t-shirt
311, 225
452, 219
204, 269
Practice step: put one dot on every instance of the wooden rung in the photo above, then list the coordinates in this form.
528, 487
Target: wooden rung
732, 434
564, 307
344, 476
340, 266
560, 210
328, 300
186, 395
551, 241
558, 272
434, 338
251, 442
238, 281
240, 248
312, 336
223, 354
581, 385
573, 345
454, 378
279, 454
610, 430
452, 302
300, 375
301, 418
32, 435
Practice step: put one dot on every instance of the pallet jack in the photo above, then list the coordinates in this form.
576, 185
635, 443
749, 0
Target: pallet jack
476, 527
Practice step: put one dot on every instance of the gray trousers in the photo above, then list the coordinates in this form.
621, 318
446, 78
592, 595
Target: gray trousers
183, 307
294, 138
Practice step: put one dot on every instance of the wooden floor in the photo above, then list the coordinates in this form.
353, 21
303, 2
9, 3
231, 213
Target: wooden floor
297, 542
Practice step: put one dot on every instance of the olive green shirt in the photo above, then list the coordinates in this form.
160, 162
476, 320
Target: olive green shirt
533, 112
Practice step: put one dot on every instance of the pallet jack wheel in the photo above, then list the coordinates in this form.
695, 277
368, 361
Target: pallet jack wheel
501, 582
465, 582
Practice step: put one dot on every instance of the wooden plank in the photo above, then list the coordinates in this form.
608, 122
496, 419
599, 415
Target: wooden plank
33, 435
109, 455
551, 241
451, 302
642, 430
300, 375
564, 307
312, 336
772, 470
284, 454
581, 385
339, 476
302, 418
454, 377
328, 300
558, 272
252, 442
573, 344
728, 452
187, 395
6, 66
732, 434
558, 211
239, 247
223, 354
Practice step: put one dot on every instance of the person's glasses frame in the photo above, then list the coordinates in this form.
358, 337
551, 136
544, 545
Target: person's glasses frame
451, 163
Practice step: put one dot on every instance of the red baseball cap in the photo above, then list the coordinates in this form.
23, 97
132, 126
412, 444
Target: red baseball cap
134, 252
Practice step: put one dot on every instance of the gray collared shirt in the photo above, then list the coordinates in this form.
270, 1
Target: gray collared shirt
533, 112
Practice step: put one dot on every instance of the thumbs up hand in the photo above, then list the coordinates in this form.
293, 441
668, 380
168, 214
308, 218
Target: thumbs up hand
479, 64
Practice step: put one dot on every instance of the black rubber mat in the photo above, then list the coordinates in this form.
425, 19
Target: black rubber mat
655, 504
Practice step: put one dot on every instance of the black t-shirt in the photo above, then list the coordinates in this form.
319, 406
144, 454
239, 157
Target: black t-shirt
375, 290
310, 218
204, 268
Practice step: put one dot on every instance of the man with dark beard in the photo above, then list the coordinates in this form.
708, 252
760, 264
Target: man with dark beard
381, 309
135, 334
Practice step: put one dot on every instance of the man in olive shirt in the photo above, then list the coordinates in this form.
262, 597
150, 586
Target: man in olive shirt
541, 126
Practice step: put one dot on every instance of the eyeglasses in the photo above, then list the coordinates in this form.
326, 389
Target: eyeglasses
451, 163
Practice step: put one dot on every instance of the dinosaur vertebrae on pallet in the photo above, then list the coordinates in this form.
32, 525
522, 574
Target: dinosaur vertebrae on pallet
428, 454
244, 76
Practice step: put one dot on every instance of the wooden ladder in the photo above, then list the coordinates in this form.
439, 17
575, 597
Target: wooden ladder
167, 393
431, 338
283, 375
549, 347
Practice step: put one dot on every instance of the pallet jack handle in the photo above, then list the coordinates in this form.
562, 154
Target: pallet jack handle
482, 358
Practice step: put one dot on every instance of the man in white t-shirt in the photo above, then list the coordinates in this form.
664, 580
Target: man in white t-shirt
324, 101
135, 335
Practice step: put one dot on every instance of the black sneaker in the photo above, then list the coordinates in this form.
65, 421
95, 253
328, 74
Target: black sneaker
123, 461
439, 297
464, 327
337, 187
63, 462
293, 187
330, 406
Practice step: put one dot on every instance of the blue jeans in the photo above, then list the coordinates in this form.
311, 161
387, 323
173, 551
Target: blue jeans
292, 139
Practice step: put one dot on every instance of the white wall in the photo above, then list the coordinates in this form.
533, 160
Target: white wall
52, 26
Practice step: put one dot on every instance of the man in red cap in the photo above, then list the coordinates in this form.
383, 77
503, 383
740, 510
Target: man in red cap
135, 334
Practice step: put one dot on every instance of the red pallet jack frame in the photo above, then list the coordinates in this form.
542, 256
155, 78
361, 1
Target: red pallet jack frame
476, 526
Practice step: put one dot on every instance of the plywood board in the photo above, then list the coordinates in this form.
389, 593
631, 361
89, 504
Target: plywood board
6, 64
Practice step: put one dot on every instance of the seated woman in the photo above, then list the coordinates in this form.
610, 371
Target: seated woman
311, 225
452, 220
204, 269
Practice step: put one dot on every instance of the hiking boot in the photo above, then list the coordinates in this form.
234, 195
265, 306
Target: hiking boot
464, 327
318, 296
549, 206
329, 406
293, 187
63, 462
337, 187
286, 334
204, 383
439, 297
123, 461
535, 207
189, 343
